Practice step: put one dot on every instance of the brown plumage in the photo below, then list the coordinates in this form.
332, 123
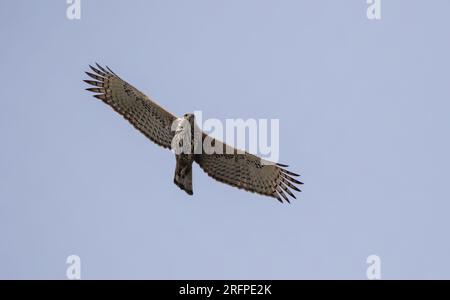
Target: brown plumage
241, 170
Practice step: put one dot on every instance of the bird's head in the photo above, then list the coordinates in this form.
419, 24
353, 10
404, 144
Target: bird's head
186, 123
190, 118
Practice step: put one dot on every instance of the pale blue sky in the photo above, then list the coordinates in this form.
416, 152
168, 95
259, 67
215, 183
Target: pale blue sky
364, 116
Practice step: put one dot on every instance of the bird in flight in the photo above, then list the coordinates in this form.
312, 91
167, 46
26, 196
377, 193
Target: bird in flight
231, 166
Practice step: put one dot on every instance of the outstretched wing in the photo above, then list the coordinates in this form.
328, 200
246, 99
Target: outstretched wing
144, 114
248, 172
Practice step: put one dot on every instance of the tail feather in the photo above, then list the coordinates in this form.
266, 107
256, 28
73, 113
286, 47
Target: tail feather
184, 180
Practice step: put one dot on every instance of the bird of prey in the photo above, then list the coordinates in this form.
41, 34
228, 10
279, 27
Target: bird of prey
231, 166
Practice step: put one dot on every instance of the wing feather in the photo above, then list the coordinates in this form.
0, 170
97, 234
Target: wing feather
249, 172
143, 113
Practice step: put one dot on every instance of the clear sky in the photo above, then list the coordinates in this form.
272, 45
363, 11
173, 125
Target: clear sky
364, 110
